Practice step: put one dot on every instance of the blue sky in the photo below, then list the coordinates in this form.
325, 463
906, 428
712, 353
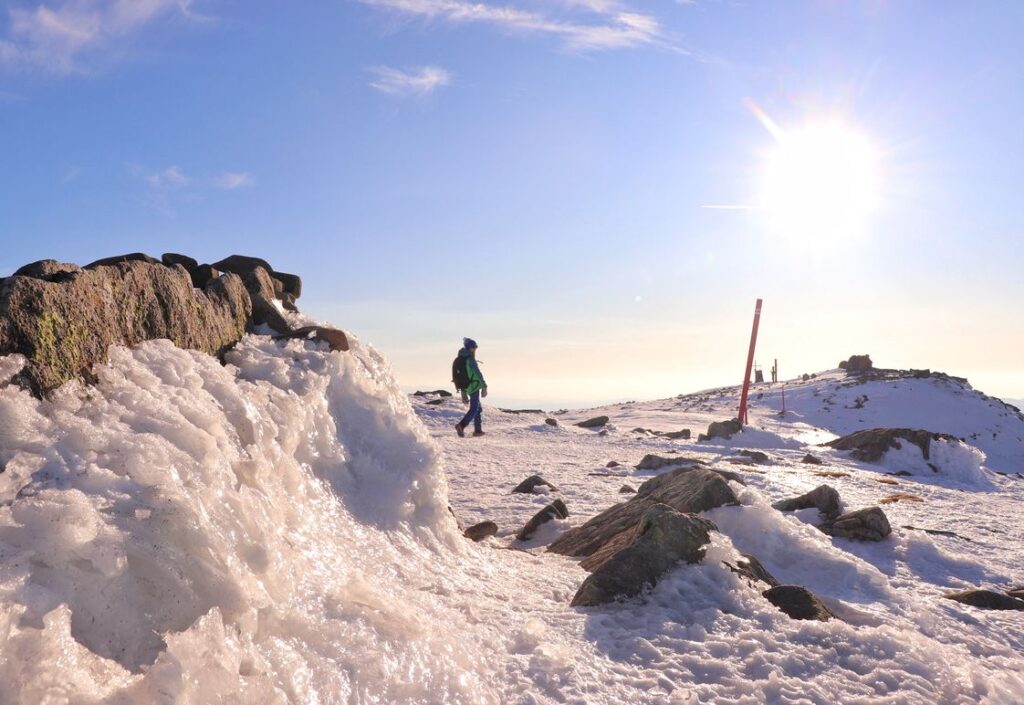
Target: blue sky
538, 175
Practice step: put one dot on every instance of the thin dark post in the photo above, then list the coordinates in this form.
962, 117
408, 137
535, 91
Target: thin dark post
750, 363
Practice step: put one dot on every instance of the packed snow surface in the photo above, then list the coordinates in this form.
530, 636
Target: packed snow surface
277, 530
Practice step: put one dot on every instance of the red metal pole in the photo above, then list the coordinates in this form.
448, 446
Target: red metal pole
750, 363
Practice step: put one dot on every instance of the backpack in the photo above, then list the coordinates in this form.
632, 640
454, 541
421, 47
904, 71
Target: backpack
460, 375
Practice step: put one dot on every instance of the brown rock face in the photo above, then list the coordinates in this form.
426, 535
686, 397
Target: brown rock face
64, 327
687, 490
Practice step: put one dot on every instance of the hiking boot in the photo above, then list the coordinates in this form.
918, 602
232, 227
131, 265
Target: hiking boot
478, 433
461, 430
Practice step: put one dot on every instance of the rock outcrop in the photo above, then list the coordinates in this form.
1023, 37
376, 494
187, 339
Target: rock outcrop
857, 364
63, 318
687, 490
660, 540
870, 445
64, 326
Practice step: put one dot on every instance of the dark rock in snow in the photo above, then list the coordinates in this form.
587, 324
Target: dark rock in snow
870, 445
612, 464
435, 402
335, 339
660, 540
812, 460
688, 490
595, 422
438, 392
751, 569
824, 497
1017, 592
656, 462
555, 510
869, 524
755, 455
677, 435
986, 599
527, 486
721, 429
64, 328
265, 313
551, 422
478, 532
798, 602
626, 489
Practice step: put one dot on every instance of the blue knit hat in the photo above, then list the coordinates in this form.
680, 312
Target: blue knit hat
468, 343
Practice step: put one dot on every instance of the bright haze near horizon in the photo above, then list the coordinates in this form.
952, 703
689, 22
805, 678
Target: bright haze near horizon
595, 190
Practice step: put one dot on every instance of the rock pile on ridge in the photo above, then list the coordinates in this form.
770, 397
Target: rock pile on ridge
63, 318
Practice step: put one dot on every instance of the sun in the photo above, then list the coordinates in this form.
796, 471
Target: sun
820, 183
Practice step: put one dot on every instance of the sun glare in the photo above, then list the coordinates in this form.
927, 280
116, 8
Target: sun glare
820, 183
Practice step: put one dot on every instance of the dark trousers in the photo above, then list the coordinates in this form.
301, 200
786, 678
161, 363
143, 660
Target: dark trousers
475, 412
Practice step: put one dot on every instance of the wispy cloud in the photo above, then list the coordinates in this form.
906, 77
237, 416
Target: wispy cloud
230, 180
167, 188
56, 35
418, 82
581, 25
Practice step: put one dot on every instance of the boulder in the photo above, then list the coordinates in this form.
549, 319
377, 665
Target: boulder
824, 497
265, 313
170, 259
595, 422
677, 435
986, 599
812, 460
612, 464
438, 392
870, 445
551, 422
291, 284
529, 484
555, 510
688, 490
241, 264
335, 339
721, 429
656, 462
798, 602
661, 539
64, 328
435, 402
868, 524
478, 532
626, 489
857, 364
755, 455
120, 259
49, 270
202, 275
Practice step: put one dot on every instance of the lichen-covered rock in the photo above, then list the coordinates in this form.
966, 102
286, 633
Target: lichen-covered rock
824, 497
660, 540
868, 524
798, 602
65, 327
688, 490
555, 510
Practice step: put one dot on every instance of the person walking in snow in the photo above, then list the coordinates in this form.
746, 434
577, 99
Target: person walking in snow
468, 380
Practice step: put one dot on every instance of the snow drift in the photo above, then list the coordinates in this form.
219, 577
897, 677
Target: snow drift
266, 531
